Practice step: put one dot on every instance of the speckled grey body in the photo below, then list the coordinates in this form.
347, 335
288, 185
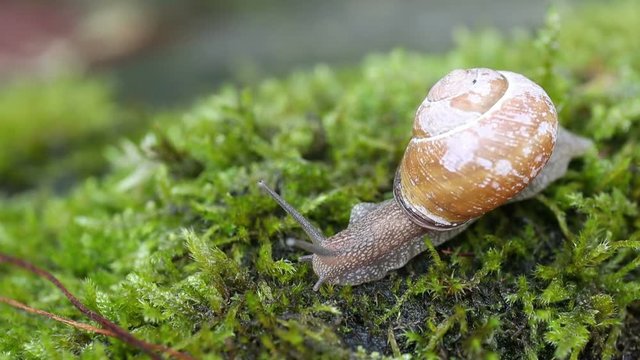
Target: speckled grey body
381, 237
373, 244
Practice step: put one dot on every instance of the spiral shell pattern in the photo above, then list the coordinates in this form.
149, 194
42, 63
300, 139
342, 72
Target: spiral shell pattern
479, 138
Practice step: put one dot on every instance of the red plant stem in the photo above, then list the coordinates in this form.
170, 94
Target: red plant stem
78, 325
113, 329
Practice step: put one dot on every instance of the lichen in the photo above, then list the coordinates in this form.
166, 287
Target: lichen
176, 243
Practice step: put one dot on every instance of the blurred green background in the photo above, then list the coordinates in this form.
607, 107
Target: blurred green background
78, 75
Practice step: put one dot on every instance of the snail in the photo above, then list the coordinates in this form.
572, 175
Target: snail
481, 138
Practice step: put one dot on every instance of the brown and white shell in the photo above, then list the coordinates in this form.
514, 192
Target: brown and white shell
479, 138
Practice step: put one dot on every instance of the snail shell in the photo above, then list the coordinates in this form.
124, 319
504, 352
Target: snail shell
479, 138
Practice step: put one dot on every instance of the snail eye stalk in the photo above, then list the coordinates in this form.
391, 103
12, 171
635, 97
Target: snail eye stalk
314, 233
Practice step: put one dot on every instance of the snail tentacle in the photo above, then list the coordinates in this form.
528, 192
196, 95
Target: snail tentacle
316, 235
310, 247
316, 286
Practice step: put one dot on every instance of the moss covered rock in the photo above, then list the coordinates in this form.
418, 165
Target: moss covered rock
177, 244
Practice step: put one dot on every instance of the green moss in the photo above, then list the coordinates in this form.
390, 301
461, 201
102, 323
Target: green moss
176, 243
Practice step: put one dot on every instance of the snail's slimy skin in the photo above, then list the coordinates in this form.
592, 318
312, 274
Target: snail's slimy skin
568, 146
504, 145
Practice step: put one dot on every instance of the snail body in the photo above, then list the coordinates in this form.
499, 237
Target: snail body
481, 138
